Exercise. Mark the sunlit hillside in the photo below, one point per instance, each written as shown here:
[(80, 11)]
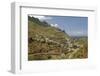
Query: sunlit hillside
[(47, 42)]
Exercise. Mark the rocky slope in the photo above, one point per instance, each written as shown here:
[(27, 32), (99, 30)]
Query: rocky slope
[(47, 42)]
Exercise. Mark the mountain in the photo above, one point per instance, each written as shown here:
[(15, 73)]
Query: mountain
[(47, 42), (36, 27)]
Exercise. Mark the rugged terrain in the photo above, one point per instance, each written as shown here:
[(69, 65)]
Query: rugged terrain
[(47, 42)]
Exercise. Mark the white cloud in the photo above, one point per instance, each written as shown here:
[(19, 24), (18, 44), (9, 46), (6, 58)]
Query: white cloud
[(77, 33), (54, 25), (41, 17)]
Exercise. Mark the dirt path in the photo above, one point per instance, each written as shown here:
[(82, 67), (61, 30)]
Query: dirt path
[(45, 54)]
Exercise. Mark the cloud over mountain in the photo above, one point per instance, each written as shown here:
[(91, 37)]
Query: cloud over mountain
[(41, 18), (54, 25)]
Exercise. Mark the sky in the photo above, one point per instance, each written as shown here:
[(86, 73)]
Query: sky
[(73, 26)]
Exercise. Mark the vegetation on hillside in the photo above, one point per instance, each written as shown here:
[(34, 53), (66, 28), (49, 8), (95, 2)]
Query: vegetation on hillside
[(47, 42)]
